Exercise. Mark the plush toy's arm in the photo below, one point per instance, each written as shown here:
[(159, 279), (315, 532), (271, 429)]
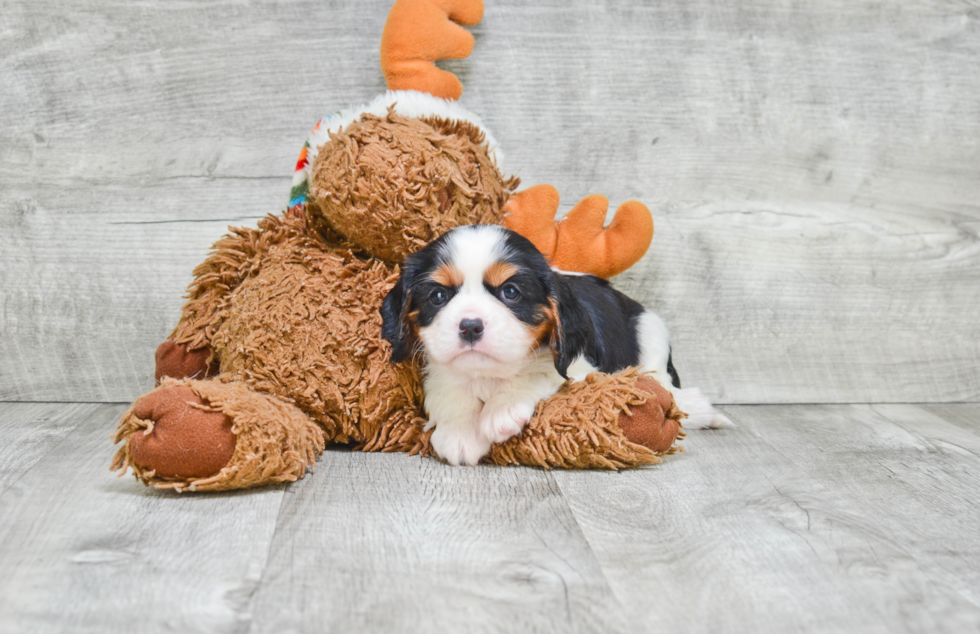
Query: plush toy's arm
[(607, 421), (233, 259), (578, 242), (214, 278), (417, 33)]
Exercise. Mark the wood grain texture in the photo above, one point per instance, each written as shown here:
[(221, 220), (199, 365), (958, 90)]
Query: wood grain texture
[(806, 518), (84, 551), (384, 543), (812, 170), (912, 488), (30, 430), (965, 415), (876, 522)]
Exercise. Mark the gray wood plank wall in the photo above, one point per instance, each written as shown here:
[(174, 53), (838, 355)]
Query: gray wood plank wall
[(813, 169)]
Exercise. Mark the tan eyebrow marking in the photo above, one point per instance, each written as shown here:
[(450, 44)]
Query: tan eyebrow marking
[(447, 275), (499, 272)]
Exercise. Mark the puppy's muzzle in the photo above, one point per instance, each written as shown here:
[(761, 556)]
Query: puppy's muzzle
[(470, 330)]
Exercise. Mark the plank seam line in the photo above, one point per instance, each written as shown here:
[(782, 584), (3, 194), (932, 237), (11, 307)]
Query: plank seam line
[(822, 403), (268, 554), (718, 404), (30, 468), (5, 402), (171, 222), (588, 543)]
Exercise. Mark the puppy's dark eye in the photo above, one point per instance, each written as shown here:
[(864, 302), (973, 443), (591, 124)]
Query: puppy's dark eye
[(438, 297), (510, 293)]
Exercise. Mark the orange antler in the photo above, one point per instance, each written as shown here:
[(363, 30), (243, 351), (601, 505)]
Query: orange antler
[(417, 33), (578, 242), (531, 213)]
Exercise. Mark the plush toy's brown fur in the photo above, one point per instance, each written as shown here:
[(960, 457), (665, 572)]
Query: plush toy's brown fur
[(279, 349), (301, 323), (395, 184)]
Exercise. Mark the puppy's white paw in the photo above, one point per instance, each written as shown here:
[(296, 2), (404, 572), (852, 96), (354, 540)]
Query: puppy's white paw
[(700, 413), (500, 424), (460, 445)]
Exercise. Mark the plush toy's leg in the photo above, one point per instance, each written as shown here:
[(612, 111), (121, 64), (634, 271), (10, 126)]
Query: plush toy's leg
[(608, 421), (233, 259), (178, 361), (402, 430), (213, 435)]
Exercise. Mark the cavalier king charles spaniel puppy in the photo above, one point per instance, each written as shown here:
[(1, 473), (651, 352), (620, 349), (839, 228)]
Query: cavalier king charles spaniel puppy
[(499, 330)]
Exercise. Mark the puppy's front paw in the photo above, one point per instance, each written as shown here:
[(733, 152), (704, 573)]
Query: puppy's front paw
[(500, 424), (459, 445)]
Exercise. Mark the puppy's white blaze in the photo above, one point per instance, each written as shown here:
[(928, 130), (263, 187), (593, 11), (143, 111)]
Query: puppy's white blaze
[(472, 250), (503, 349), (501, 352)]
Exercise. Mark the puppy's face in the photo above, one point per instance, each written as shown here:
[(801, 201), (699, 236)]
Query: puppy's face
[(479, 299)]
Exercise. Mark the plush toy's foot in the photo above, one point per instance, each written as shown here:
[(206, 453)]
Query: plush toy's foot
[(177, 361), (211, 436), (608, 421), (183, 438)]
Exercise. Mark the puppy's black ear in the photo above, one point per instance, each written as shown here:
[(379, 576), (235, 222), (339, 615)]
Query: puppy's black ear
[(572, 333), (396, 327)]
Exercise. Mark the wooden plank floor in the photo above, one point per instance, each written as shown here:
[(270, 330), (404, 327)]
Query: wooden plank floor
[(806, 518)]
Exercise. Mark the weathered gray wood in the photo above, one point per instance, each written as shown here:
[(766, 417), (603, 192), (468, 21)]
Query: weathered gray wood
[(385, 543), (965, 415), (813, 172), (84, 551), (878, 524), (90, 295), (899, 464), (803, 519), (906, 474), (30, 430)]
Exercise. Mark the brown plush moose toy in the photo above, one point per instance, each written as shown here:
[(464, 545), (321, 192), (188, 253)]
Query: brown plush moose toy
[(279, 350)]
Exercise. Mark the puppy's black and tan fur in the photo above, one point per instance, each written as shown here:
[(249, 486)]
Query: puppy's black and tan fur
[(500, 330)]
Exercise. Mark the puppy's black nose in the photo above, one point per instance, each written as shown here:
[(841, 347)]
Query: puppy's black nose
[(471, 330)]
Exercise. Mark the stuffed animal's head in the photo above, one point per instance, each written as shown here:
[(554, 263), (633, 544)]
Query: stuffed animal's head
[(390, 184), (393, 175)]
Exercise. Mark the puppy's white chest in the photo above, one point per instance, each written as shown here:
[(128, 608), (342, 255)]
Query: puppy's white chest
[(484, 387)]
